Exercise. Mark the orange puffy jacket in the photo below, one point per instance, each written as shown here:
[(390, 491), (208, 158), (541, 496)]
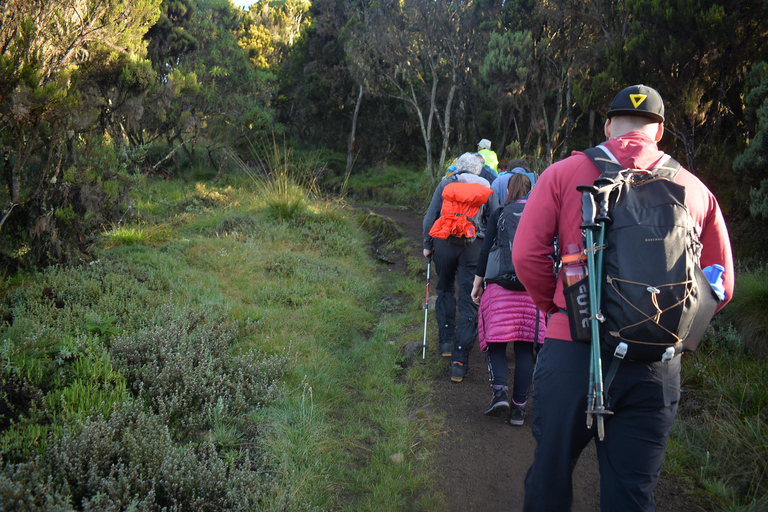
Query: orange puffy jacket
[(461, 203)]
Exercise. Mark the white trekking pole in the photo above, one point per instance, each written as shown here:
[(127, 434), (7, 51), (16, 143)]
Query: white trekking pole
[(426, 310)]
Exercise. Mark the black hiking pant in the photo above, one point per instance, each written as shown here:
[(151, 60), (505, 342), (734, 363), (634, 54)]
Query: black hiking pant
[(499, 367), (456, 264), (632, 453)]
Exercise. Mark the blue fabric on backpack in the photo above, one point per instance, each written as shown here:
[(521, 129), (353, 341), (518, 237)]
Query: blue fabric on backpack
[(500, 184)]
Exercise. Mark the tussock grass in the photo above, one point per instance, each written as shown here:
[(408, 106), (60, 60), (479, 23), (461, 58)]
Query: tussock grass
[(284, 181), (137, 235)]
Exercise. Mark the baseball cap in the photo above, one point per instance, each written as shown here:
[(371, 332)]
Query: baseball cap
[(484, 144), (638, 100)]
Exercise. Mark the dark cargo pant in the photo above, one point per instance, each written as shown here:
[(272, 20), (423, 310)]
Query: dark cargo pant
[(456, 264), (632, 453)]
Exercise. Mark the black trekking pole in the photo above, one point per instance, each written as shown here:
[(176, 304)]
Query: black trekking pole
[(595, 399), (604, 187), (426, 310)]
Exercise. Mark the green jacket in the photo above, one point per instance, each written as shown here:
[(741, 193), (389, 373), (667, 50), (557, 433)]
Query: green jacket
[(491, 160)]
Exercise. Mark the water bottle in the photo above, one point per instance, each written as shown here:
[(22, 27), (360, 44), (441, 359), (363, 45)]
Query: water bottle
[(714, 275), (574, 265)]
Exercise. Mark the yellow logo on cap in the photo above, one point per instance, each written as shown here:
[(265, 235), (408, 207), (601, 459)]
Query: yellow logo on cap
[(637, 99)]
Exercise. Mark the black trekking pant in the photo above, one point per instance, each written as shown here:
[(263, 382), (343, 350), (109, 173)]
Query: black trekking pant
[(456, 264), (499, 367), (632, 453)]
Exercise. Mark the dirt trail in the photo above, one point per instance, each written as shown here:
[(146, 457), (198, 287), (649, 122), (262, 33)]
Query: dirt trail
[(483, 461)]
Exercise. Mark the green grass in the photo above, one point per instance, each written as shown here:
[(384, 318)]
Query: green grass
[(391, 185), (243, 333), (747, 310), (719, 441)]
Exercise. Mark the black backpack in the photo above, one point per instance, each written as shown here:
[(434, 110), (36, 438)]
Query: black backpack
[(500, 269), (654, 293)]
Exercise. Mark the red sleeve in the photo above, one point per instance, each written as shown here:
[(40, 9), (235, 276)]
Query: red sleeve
[(717, 249), (716, 244)]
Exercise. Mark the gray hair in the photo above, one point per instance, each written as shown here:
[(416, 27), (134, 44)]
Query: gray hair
[(469, 162)]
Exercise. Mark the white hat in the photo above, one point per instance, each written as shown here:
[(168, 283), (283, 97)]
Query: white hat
[(484, 144)]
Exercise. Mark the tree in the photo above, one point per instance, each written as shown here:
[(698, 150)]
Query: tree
[(209, 90), (270, 29), (58, 60), (696, 62), (531, 73), (415, 52), (752, 165)]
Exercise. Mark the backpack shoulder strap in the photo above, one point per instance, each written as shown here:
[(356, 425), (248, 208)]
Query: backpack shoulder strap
[(667, 167), (604, 160), (609, 166)]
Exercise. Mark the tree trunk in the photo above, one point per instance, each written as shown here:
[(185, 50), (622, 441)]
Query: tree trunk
[(222, 164), (18, 167), (547, 135), (426, 129), (351, 144), (569, 117), (447, 121)]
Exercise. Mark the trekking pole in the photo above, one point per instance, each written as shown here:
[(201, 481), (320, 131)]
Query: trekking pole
[(426, 310), (604, 187), (602, 197), (595, 400)]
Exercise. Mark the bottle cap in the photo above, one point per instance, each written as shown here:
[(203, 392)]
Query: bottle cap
[(574, 254)]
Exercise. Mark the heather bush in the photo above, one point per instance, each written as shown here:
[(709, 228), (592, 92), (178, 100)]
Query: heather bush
[(186, 368), (64, 300), (46, 384), (236, 226), (129, 461), (28, 487)]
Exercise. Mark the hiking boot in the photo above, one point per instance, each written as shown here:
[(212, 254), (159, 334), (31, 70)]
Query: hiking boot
[(517, 415), (458, 371), (445, 348), (499, 403)]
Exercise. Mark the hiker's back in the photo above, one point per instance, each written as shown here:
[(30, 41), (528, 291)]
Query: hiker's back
[(461, 216), (500, 269), (654, 292)]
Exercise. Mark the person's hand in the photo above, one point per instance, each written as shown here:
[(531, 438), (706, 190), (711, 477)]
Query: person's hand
[(477, 289), (428, 253)]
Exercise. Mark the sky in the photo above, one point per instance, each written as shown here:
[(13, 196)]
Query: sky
[(243, 3)]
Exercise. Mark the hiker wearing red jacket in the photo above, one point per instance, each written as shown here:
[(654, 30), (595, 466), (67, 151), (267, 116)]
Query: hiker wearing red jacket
[(632, 452)]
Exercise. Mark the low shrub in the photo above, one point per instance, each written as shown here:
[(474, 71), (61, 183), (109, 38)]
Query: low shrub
[(236, 226), (129, 461), (184, 367), (62, 300)]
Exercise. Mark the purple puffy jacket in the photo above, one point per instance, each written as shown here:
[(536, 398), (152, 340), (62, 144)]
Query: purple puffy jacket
[(507, 315)]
